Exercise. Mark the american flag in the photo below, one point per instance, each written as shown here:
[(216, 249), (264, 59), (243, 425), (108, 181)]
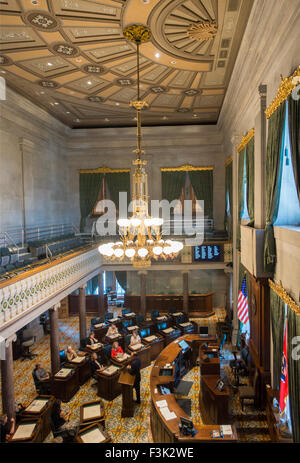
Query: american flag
[(242, 308)]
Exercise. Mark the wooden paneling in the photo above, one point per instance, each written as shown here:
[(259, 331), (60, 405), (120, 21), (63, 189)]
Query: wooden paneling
[(92, 304)]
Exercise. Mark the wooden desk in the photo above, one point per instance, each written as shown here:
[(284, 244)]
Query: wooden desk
[(209, 367), (127, 381), (91, 348), (120, 340), (65, 388), (22, 436), (188, 328), (46, 402), (156, 345), (84, 369), (108, 386), (93, 434), (100, 331), (214, 404), (144, 354), (121, 362), (91, 413), (168, 431), (169, 337)]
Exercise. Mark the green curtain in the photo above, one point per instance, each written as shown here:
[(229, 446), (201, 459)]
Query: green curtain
[(122, 279), (293, 330), (91, 285), (294, 129), (273, 183), (228, 191), (240, 196), (202, 183), (172, 184), (116, 182), (277, 312), (89, 185), (250, 180)]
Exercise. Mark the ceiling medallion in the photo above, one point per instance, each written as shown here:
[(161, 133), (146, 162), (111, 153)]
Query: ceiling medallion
[(5, 60), (183, 110), (95, 99), (66, 49), (191, 92), (203, 30), (93, 69), (41, 20), (124, 82), (158, 89), (48, 84)]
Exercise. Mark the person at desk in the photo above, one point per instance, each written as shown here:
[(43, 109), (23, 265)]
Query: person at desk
[(135, 338), (61, 420), (95, 364), (40, 373), (112, 330), (91, 339), (116, 350), (7, 428), (135, 369), (71, 354)]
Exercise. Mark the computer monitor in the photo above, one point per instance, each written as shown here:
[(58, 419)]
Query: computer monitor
[(203, 330), (164, 390), (186, 423), (145, 332), (187, 427), (162, 326), (62, 356), (125, 311), (126, 323), (184, 345)]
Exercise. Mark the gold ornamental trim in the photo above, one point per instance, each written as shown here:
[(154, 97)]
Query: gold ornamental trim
[(281, 292), (228, 161), (245, 139), (185, 168), (285, 89), (203, 30), (102, 170), (137, 33)]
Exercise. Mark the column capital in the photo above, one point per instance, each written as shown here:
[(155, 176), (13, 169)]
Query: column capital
[(24, 143), (10, 339), (262, 90), (82, 286), (235, 140), (142, 272), (184, 271), (55, 307)]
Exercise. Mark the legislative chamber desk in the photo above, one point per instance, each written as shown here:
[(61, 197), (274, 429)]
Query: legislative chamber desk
[(65, 383), (214, 404), (108, 385), (167, 431), (143, 352), (28, 431), (202, 304), (82, 364), (40, 408), (156, 342)]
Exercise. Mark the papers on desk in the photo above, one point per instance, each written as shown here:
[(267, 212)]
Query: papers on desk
[(136, 346), (122, 357), (110, 370), (168, 330), (91, 411), (177, 314), (24, 431), (37, 405), (78, 359), (184, 325), (95, 346), (100, 325), (161, 403), (132, 328), (164, 409), (163, 317), (150, 338), (63, 373), (129, 314), (226, 430), (113, 336), (113, 320), (94, 436)]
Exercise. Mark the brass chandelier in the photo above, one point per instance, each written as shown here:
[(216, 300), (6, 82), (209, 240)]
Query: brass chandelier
[(141, 235)]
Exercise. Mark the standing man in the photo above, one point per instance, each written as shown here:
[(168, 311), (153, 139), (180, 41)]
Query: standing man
[(135, 369)]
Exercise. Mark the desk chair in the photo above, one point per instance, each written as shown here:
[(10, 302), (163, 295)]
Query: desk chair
[(248, 392), (96, 321), (42, 387), (107, 351), (127, 340), (140, 319), (66, 436), (154, 314), (108, 316), (25, 345)]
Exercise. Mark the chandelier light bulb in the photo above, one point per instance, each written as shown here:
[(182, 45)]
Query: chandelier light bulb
[(148, 222), (157, 250), (118, 252), (142, 252), (135, 222), (123, 222), (157, 221), (130, 252)]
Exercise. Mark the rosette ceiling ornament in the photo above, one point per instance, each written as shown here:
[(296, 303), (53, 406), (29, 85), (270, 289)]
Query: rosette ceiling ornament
[(140, 235)]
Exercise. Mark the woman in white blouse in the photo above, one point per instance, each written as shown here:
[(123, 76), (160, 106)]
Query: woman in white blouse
[(135, 338), (112, 330)]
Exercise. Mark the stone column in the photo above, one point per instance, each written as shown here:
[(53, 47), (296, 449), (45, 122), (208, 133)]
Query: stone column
[(185, 291), (82, 313), (7, 380), (100, 295), (235, 255), (260, 160), (54, 339), (143, 292), (26, 149)]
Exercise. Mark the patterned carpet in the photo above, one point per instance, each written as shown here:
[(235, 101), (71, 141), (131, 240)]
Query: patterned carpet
[(251, 424)]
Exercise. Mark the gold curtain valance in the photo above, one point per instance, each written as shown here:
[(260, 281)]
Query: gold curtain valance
[(102, 170), (281, 292), (228, 161), (185, 168), (245, 139), (285, 89)]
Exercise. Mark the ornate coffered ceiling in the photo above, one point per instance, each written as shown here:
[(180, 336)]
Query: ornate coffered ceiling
[(70, 57)]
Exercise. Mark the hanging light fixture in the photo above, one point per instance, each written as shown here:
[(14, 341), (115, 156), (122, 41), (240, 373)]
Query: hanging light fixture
[(140, 235)]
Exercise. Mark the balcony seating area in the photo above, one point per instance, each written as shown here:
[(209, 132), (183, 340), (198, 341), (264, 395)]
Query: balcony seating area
[(56, 245)]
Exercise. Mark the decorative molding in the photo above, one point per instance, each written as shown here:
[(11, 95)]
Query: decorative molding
[(10, 339), (281, 292), (228, 161), (24, 143), (285, 89), (185, 168), (245, 139), (102, 170), (203, 30)]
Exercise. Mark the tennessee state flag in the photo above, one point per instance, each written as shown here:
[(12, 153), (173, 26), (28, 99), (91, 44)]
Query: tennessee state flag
[(284, 389)]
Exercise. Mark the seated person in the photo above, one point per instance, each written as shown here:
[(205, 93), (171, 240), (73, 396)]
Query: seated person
[(95, 364), (91, 339), (61, 420), (7, 428), (71, 353), (135, 338), (112, 330), (40, 373), (116, 350)]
